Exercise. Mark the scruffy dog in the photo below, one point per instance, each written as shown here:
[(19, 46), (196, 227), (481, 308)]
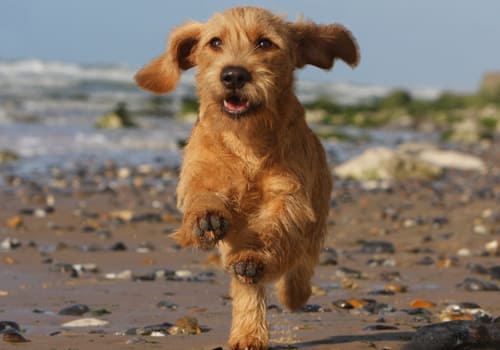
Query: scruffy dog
[(254, 180)]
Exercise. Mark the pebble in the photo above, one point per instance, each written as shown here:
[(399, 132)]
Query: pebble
[(9, 244), (480, 229), (185, 326), (494, 272), (311, 308), (475, 285), (464, 311), (456, 335), (380, 327), (145, 248), (328, 256), (492, 247), (447, 262), (149, 330), (74, 310), (377, 247), (14, 222), (396, 287), (86, 322), (122, 275), (13, 336), (165, 304), (5, 325), (422, 304), (376, 262), (118, 247), (477, 268), (348, 273)]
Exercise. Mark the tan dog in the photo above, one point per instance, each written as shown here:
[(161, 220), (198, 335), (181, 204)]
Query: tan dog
[(254, 180)]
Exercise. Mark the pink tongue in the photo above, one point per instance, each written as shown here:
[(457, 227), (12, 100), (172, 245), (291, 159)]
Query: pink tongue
[(236, 106)]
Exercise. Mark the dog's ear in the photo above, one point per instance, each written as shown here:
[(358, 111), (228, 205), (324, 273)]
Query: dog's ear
[(320, 45), (162, 73)]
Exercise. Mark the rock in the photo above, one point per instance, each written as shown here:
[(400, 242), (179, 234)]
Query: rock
[(119, 118), (422, 304), (74, 310), (396, 287), (464, 311), (13, 336), (328, 257), (475, 285), (492, 247), (85, 322), (380, 327), (346, 272), (452, 160), (494, 272), (455, 335), (9, 244), (165, 304), (14, 222), (377, 247), (150, 330), (122, 275), (5, 325), (380, 163), (118, 247), (311, 308), (8, 156), (185, 326), (466, 131)]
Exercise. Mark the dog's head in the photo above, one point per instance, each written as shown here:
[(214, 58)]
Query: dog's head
[(246, 57)]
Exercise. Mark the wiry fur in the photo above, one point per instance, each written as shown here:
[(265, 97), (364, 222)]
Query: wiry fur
[(263, 173)]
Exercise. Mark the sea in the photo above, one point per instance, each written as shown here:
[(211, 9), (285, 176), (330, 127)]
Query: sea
[(48, 112)]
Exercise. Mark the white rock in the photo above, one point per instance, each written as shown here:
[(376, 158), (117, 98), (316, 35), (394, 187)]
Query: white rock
[(368, 165), (464, 252), (123, 275), (183, 273), (453, 160), (492, 247), (86, 322)]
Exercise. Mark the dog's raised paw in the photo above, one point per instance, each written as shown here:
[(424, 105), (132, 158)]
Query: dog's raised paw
[(209, 229), (248, 270)]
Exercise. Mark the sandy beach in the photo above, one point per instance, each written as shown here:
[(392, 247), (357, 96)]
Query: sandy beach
[(395, 260)]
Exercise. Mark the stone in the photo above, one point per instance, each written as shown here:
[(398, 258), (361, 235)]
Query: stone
[(453, 160), (85, 322)]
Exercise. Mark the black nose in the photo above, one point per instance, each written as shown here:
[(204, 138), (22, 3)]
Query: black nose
[(234, 77)]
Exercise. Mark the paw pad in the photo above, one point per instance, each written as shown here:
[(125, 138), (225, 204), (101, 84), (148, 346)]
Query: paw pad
[(210, 228), (248, 270)]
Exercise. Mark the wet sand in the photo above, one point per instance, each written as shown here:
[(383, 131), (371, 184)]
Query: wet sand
[(438, 232)]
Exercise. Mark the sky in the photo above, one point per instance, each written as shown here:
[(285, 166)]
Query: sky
[(447, 44)]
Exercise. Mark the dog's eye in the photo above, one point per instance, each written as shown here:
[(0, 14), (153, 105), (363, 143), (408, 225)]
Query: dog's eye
[(216, 43), (265, 43)]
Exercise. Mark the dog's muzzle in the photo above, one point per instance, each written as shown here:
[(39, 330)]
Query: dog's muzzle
[(234, 78)]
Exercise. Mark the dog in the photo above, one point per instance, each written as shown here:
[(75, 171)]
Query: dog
[(254, 181)]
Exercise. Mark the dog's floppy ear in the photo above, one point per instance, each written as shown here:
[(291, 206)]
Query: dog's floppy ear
[(320, 45), (162, 73)]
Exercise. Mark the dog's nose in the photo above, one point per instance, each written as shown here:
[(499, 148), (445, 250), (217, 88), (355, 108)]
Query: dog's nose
[(234, 77)]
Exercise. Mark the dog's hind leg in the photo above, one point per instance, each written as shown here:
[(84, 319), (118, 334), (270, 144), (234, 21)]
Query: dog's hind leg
[(294, 287), (249, 329)]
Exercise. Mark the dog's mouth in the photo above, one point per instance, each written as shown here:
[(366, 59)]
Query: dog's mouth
[(236, 105)]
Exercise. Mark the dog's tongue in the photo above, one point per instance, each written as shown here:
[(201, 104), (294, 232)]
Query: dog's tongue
[(236, 105)]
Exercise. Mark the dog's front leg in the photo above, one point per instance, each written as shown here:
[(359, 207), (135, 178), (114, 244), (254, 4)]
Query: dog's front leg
[(276, 239), (249, 329)]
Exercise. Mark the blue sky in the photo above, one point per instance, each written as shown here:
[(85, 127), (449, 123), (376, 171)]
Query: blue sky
[(426, 43)]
